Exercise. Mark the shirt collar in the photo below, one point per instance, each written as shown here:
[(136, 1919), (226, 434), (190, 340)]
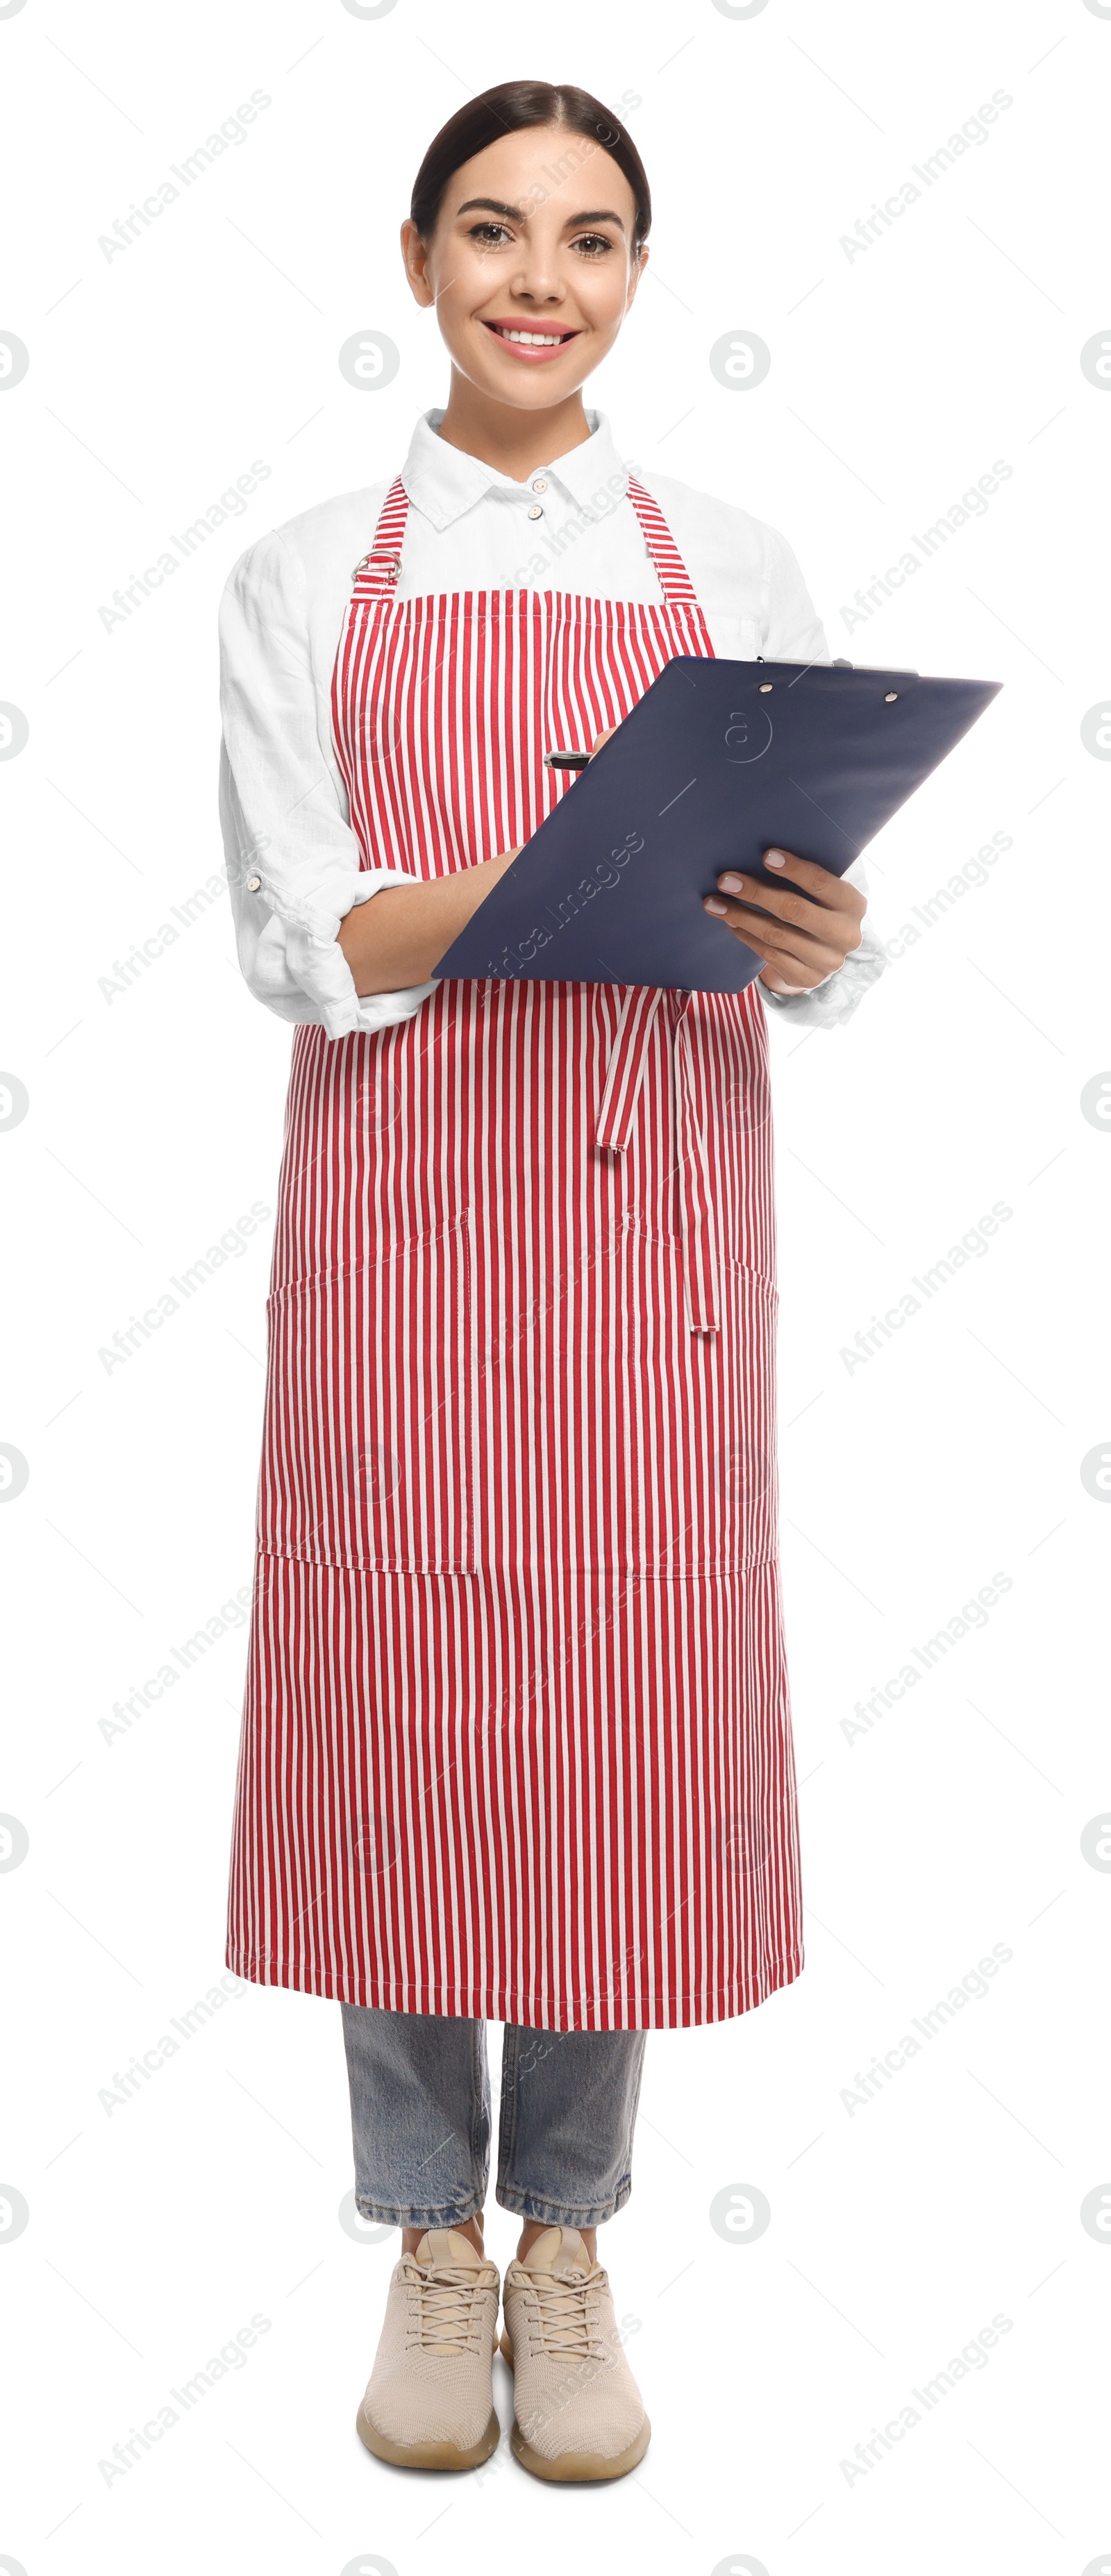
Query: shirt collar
[(443, 482)]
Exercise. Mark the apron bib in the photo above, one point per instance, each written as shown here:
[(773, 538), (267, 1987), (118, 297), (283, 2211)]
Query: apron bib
[(516, 1738)]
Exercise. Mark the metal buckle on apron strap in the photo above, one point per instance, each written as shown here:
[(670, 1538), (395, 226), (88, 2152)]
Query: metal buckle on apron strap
[(613, 1128), (384, 554)]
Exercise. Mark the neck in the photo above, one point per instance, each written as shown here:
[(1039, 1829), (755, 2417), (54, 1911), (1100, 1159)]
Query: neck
[(513, 442)]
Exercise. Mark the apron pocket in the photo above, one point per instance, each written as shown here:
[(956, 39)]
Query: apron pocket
[(745, 1462), (616, 1440), (700, 1476), (368, 1447)]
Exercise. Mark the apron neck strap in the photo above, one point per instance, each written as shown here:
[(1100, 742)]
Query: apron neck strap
[(675, 581), (375, 575)]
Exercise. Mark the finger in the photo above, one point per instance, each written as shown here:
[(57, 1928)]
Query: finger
[(816, 934), (820, 883), (840, 921), (790, 899), (780, 945)]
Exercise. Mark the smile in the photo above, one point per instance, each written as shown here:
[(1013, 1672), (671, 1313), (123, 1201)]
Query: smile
[(530, 343)]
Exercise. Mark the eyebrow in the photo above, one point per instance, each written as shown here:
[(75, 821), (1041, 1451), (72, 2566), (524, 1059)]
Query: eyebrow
[(516, 215)]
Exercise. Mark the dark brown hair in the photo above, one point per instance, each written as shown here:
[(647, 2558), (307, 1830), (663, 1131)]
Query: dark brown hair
[(505, 110)]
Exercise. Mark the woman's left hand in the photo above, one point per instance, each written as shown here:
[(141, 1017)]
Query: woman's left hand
[(802, 937)]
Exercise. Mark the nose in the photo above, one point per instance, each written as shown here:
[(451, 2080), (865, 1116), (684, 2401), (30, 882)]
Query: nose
[(536, 278)]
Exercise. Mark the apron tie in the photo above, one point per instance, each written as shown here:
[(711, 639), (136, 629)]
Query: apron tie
[(625, 1071), (614, 1127)]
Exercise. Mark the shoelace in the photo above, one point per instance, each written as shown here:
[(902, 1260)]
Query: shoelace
[(565, 2312), (445, 2305)]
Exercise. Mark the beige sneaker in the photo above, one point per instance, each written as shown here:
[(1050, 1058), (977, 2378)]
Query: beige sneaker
[(429, 2401), (577, 2408)]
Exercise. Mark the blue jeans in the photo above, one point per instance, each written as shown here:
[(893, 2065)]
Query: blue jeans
[(420, 2118)]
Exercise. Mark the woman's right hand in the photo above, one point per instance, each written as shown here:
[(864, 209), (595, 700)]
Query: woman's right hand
[(394, 939)]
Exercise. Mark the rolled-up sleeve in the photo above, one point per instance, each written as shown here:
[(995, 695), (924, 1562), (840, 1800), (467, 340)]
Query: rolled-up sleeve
[(294, 865)]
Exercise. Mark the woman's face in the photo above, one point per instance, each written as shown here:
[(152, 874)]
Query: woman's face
[(534, 237)]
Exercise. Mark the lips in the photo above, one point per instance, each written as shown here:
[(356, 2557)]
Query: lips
[(539, 341)]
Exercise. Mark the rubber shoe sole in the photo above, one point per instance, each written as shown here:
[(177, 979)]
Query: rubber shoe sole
[(427, 2455), (572, 2468)]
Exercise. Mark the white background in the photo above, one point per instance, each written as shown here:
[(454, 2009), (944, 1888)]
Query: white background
[(898, 377)]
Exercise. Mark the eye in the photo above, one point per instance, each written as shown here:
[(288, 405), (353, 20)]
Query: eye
[(592, 243), (488, 232)]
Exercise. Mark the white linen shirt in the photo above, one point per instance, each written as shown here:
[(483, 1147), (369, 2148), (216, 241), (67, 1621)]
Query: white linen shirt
[(293, 862)]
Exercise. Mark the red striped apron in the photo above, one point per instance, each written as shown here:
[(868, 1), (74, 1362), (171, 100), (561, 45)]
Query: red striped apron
[(516, 1739)]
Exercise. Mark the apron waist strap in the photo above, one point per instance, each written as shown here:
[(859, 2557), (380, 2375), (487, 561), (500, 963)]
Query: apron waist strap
[(625, 1070), (614, 1127)]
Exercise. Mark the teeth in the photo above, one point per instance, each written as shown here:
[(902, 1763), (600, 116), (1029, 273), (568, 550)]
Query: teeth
[(533, 339)]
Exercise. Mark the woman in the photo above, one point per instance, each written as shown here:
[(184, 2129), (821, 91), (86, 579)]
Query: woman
[(516, 1737)]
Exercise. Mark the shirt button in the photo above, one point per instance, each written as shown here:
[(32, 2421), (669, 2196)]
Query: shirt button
[(539, 484), (253, 884), (536, 512)]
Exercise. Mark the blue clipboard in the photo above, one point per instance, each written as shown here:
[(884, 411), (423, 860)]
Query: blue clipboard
[(717, 762)]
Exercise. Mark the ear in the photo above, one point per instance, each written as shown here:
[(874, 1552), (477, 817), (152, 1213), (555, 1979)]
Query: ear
[(415, 257), (636, 273)]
